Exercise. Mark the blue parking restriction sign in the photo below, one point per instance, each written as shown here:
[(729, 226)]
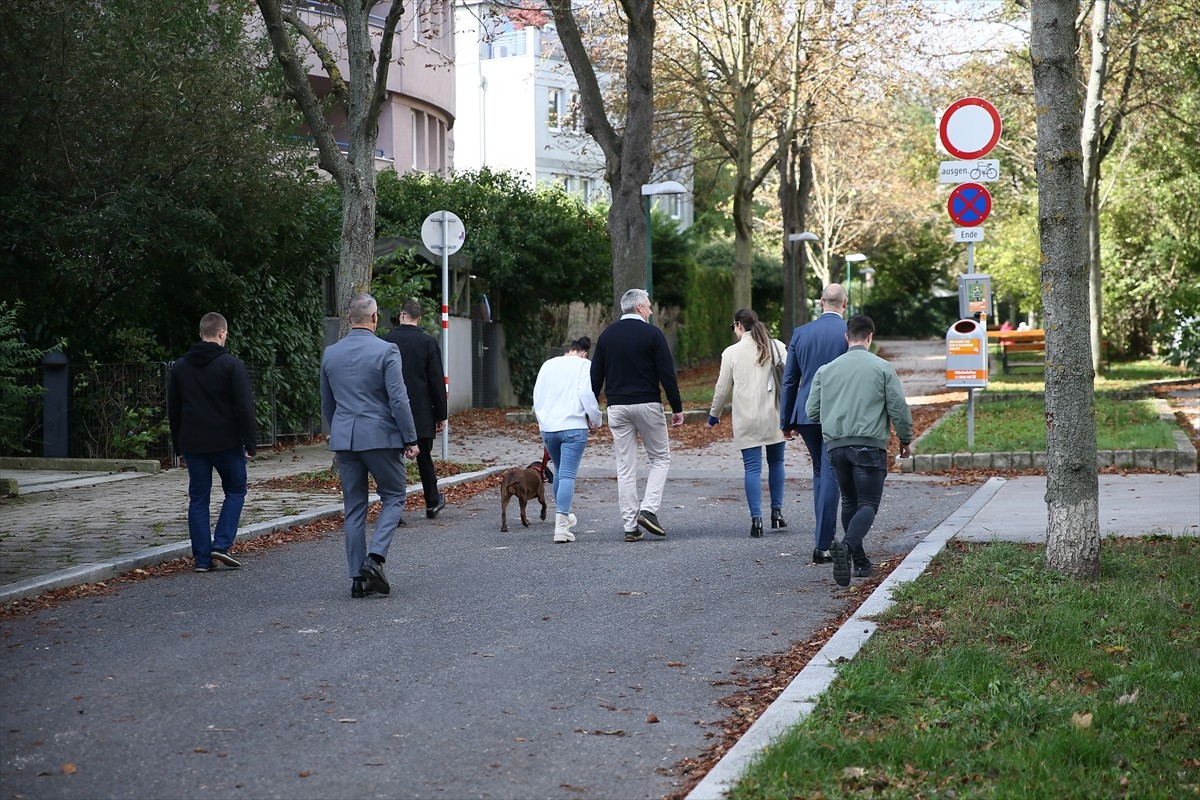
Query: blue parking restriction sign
[(969, 204)]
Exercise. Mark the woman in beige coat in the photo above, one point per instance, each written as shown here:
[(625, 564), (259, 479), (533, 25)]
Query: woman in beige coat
[(747, 371)]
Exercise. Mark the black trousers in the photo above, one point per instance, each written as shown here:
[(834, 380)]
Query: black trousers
[(428, 475), (860, 472)]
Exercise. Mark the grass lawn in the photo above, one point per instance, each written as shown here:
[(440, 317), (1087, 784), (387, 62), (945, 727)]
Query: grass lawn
[(1120, 377), (1019, 425), (991, 677), (696, 384)]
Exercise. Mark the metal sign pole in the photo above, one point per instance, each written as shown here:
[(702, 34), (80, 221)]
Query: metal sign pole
[(443, 231), (970, 392), (446, 326)]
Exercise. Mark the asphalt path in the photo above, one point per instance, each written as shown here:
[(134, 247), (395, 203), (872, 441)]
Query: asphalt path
[(501, 666)]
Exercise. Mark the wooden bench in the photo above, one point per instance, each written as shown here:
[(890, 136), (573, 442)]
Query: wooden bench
[(1020, 342)]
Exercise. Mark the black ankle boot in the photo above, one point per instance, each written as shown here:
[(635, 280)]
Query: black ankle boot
[(777, 518), (756, 529)]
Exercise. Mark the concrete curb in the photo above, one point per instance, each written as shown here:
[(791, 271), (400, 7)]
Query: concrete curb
[(1180, 458), (103, 570), (801, 695), (81, 464)]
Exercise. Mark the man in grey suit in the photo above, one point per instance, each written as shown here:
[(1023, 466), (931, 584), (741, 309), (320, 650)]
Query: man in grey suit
[(813, 346), (365, 405)]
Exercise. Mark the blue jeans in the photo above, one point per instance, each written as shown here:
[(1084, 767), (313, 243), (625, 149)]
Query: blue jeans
[(860, 472), (752, 462), (231, 466), (825, 486), (566, 451)]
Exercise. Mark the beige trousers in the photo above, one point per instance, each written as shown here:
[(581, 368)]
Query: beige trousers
[(627, 424)]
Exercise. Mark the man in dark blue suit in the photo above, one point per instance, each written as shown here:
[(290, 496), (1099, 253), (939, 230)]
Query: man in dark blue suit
[(365, 405), (813, 346)]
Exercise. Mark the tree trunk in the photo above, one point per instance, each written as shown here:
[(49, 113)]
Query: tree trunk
[(743, 244), (1091, 142), (794, 186), (627, 155), (627, 237), (1072, 490), (358, 239), (362, 98), (802, 198)]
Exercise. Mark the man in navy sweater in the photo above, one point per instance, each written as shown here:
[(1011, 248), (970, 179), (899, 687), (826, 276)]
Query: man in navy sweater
[(630, 361), (210, 407)]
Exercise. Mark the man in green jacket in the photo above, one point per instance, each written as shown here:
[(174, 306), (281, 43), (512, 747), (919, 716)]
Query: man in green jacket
[(854, 397)]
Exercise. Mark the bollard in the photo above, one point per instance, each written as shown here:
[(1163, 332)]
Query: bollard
[(56, 379)]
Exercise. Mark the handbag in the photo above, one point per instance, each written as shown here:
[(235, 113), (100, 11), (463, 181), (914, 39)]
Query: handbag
[(775, 379)]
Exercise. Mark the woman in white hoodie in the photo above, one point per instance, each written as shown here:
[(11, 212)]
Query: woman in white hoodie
[(566, 410), (748, 369)]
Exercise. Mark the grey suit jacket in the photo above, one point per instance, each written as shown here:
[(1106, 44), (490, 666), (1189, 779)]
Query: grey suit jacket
[(363, 399)]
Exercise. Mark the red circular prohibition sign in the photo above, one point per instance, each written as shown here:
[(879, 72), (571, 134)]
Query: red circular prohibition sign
[(970, 128), (969, 204)]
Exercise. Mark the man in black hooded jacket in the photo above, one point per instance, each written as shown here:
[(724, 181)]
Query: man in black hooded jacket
[(210, 406)]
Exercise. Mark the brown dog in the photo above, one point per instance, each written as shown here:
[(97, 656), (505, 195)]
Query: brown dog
[(523, 484)]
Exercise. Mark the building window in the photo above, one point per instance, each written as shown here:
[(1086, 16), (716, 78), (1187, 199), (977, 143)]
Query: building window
[(418, 140), (554, 110), (585, 188), (575, 113)]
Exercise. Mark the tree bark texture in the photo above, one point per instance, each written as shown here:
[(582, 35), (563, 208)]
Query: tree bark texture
[(627, 154), (1091, 139), (1072, 489)]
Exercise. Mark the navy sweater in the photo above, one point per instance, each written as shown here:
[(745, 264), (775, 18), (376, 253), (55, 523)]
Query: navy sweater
[(630, 361)]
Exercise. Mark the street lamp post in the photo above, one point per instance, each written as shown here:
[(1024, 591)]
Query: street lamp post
[(789, 282), (649, 192), (868, 276), (852, 258)]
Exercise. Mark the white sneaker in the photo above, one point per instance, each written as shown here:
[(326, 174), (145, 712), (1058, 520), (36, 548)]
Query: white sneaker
[(571, 521), (562, 529)]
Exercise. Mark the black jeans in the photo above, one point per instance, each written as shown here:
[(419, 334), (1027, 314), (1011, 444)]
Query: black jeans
[(428, 475), (860, 472)]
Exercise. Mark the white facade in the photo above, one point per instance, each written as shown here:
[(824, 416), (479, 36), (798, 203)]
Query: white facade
[(517, 102)]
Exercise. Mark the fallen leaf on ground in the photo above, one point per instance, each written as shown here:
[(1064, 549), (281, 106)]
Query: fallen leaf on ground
[(1126, 699)]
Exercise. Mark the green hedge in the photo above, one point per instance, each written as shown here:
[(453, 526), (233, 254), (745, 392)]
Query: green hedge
[(704, 325)]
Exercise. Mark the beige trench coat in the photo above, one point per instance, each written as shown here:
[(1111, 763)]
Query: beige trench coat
[(755, 412)]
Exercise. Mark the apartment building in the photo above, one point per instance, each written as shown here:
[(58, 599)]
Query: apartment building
[(417, 117), (518, 107)]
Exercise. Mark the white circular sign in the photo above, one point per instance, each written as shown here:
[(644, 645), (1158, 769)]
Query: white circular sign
[(970, 128), (432, 232)]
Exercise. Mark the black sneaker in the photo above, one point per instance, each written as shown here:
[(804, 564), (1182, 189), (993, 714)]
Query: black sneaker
[(863, 568), (633, 536), (209, 568), (841, 563), (372, 574), (226, 559), (822, 557), (649, 521)]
